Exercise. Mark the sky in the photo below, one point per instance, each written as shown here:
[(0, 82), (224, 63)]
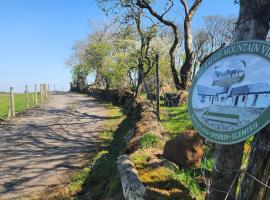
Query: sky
[(37, 37)]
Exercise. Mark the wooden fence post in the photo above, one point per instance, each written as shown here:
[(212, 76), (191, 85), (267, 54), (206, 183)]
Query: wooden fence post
[(36, 95), (47, 91), (44, 91), (26, 97), (12, 104), (41, 93), (157, 87)]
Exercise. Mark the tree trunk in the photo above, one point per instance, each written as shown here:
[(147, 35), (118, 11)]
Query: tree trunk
[(258, 167), (252, 24), (107, 84), (146, 5), (140, 80), (224, 177), (185, 72), (175, 76), (174, 72), (98, 78), (157, 86)]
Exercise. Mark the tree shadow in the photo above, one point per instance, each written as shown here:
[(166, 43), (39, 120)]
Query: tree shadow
[(37, 150), (103, 180)]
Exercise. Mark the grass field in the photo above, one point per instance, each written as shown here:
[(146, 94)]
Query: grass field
[(19, 103)]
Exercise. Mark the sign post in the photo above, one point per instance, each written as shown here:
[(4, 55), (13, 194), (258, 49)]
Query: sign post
[(230, 95)]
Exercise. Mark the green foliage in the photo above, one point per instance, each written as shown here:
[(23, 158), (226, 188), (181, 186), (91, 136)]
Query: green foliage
[(78, 180), (148, 140), (207, 162), (175, 119), (110, 55), (188, 178)]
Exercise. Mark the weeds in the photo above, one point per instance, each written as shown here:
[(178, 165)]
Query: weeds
[(149, 140)]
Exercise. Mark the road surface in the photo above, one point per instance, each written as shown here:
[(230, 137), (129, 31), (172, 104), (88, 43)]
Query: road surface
[(40, 150)]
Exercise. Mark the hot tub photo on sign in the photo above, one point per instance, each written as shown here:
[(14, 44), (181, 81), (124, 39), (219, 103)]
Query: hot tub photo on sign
[(231, 93)]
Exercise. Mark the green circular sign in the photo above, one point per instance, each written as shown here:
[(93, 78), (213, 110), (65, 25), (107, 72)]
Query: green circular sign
[(229, 99)]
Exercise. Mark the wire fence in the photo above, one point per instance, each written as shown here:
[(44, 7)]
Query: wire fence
[(12, 103), (239, 173)]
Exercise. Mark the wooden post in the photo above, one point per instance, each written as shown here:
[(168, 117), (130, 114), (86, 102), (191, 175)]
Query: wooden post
[(157, 87), (36, 95), (26, 97), (46, 89), (45, 92), (12, 103), (33, 99), (41, 93)]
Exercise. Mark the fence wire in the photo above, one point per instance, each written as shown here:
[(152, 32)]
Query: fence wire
[(241, 173)]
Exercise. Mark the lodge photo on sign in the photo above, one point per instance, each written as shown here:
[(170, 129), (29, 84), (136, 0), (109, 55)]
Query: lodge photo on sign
[(232, 93)]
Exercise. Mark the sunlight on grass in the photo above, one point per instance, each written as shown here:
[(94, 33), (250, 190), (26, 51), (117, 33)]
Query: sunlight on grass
[(188, 179), (19, 99), (148, 140), (157, 175), (175, 119)]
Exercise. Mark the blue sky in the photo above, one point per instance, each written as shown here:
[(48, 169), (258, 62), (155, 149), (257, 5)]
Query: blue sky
[(37, 35)]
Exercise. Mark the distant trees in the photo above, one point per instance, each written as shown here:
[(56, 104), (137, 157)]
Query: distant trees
[(217, 31)]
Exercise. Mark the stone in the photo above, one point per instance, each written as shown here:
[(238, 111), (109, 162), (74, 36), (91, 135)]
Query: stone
[(185, 150), (171, 99), (133, 189), (129, 134), (169, 164)]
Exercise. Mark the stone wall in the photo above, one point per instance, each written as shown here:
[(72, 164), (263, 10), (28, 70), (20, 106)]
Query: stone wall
[(145, 120), (142, 113)]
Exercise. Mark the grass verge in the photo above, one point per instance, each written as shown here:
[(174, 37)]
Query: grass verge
[(163, 181), (175, 119), (99, 179)]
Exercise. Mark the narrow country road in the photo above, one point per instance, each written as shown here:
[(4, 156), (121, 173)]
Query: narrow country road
[(39, 150)]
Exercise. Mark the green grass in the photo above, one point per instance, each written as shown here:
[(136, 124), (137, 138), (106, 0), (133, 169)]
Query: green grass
[(188, 178), (19, 100), (148, 140), (175, 119), (104, 176), (100, 180)]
